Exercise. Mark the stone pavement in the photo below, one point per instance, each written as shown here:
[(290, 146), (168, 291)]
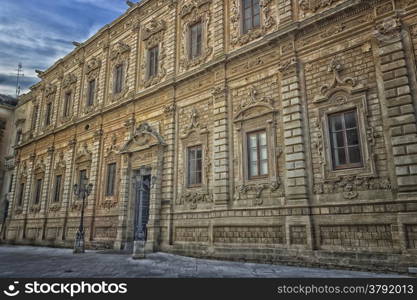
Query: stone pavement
[(38, 262)]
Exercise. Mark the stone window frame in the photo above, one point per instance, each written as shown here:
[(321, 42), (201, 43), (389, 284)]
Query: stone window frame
[(191, 14), (59, 170), (153, 36), (248, 167), (187, 170), (338, 102), (347, 165), (48, 113), (38, 174), (195, 138), (67, 105), (267, 21), (92, 72), (111, 155), (119, 55), (69, 85), (35, 116), (149, 69), (244, 125), (252, 16), (20, 193)]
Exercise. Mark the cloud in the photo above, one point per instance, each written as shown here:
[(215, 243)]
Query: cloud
[(39, 32)]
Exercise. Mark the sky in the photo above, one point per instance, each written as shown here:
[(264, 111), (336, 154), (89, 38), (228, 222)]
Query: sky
[(37, 33)]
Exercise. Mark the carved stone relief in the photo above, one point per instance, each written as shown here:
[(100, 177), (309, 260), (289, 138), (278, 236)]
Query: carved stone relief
[(119, 55), (153, 36), (267, 23), (191, 13)]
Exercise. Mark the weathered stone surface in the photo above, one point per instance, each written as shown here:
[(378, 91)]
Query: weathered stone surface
[(286, 81)]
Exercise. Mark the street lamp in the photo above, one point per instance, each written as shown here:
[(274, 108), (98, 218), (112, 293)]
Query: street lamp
[(82, 191)]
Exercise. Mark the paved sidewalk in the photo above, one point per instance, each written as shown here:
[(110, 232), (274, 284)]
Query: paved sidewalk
[(25, 261)]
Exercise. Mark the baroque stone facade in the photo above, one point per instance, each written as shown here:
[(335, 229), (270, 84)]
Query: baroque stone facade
[(281, 82)]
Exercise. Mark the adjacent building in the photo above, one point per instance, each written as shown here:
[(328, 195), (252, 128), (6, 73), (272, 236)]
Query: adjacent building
[(268, 130)]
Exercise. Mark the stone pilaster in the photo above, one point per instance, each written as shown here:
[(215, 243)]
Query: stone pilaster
[(69, 156), (218, 24), (47, 182), (398, 102), (169, 164), (220, 146), (285, 12), (295, 158), (27, 193)]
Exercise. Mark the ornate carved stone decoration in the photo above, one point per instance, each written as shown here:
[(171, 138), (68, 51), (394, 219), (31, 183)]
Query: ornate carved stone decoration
[(83, 154), (119, 55), (194, 125), (251, 101), (191, 13), (350, 186), (144, 136), (388, 31), (313, 6), (50, 89), (288, 68), (40, 167), (69, 80), (113, 149), (170, 109), (192, 199), (242, 191), (60, 164), (154, 27), (92, 65), (267, 22), (347, 85), (118, 50)]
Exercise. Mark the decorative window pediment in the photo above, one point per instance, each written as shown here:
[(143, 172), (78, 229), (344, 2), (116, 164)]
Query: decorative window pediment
[(69, 80), (50, 89), (83, 154), (60, 164), (40, 168), (144, 137), (339, 87), (253, 106), (92, 65), (194, 126)]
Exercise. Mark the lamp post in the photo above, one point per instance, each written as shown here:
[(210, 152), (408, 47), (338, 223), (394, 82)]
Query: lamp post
[(82, 191)]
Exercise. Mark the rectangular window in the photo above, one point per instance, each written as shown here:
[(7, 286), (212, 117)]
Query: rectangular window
[(257, 154), (18, 136), (48, 114), (67, 104), (195, 156), (153, 54), (38, 190), (21, 193), (91, 92), (11, 183), (35, 116), (58, 184), (82, 178), (251, 15), (118, 79), (196, 35), (111, 178), (344, 140)]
